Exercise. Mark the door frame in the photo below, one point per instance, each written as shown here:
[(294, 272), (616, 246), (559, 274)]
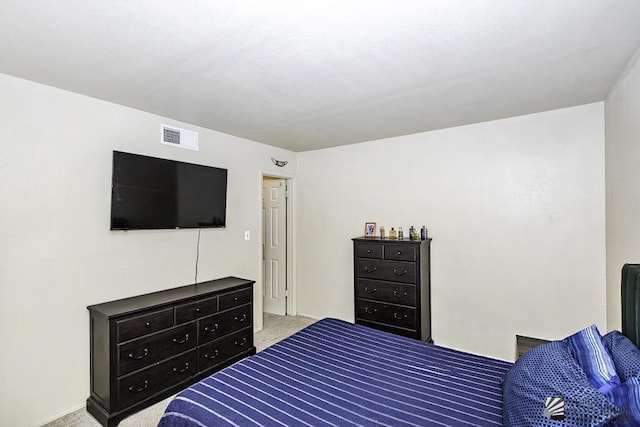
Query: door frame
[(290, 242)]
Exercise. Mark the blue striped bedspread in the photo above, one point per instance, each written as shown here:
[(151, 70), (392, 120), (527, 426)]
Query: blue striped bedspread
[(336, 373)]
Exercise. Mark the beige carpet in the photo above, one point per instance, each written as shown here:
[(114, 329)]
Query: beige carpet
[(275, 329)]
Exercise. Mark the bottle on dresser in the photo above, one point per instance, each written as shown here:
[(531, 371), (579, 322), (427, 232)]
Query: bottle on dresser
[(413, 233), (423, 233), (392, 233)]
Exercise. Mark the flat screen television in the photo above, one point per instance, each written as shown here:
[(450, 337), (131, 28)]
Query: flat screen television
[(152, 193)]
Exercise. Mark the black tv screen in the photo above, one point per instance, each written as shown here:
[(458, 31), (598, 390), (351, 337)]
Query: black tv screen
[(152, 193)]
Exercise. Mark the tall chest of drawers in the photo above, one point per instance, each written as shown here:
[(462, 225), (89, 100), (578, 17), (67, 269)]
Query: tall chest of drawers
[(148, 347), (392, 285)]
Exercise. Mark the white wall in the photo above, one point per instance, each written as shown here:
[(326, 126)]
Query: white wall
[(57, 253), (516, 210), (622, 118)]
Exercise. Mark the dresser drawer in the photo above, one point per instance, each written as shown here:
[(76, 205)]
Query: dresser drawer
[(192, 310), (144, 351), (233, 299), (395, 271), (411, 333), (218, 351), (396, 293), (368, 250), (147, 323), (390, 314), (144, 384), (400, 252), (221, 324)]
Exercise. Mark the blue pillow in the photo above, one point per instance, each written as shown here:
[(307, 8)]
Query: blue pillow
[(547, 387), (625, 355), (627, 398), (594, 359)]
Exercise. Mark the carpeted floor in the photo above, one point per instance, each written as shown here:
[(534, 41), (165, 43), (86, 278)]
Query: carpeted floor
[(275, 329)]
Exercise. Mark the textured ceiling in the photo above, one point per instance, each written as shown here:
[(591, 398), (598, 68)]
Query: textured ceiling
[(310, 74)]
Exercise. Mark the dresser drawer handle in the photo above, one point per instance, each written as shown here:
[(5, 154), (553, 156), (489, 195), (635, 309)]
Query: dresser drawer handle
[(399, 316), (143, 388), (399, 252), (197, 310), (182, 341), (236, 298), (212, 329), (399, 294), (240, 319), (370, 311), (209, 356), (368, 269), (240, 343), (144, 354), (185, 369), (368, 251), (399, 273), (147, 324), (370, 291)]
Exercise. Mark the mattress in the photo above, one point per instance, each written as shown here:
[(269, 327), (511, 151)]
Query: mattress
[(337, 373)]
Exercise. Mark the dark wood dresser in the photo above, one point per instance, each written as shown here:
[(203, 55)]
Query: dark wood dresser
[(148, 347), (392, 285)]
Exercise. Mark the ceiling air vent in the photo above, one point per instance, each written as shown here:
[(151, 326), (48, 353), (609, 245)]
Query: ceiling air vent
[(183, 138)]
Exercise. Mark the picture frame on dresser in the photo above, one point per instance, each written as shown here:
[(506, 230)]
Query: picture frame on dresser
[(369, 229)]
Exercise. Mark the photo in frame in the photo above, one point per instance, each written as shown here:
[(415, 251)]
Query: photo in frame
[(369, 229)]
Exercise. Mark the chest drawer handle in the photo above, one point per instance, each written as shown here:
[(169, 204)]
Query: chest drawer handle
[(147, 324), (370, 291), (368, 251), (399, 316), (399, 252), (186, 338), (240, 343), (144, 354), (138, 390), (197, 310), (212, 356), (399, 273), (370, 311), (212, 329), (236, 298), (185, 369), (240, 319), (399, 294), (368, 269)]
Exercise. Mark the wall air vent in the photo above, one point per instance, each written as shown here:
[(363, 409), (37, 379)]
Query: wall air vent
[(183, 138)]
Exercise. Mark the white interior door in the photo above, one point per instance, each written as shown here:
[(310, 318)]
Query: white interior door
[(274, 240)]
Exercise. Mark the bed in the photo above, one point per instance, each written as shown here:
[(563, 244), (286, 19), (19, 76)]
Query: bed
[(337, 373)]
